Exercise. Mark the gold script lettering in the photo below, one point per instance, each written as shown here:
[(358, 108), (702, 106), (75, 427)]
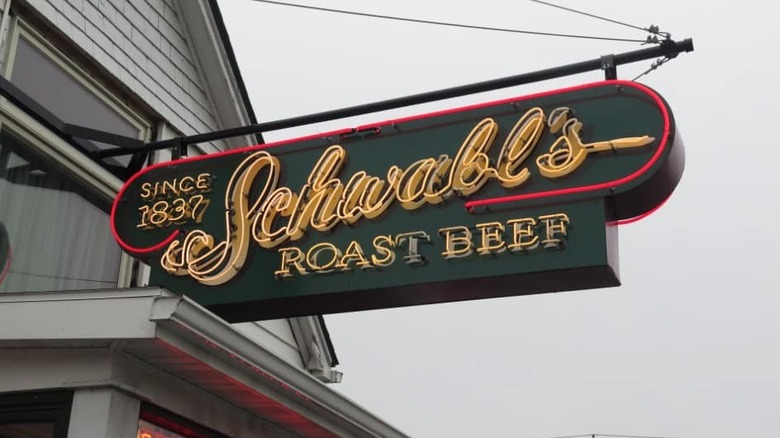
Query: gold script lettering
[(569, 152), (279, 214), (213, 263)]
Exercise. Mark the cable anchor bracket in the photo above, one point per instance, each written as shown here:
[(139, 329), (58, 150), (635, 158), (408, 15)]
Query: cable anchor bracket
[(609, 67)]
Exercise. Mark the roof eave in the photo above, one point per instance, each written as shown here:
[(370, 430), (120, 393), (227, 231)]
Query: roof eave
[(214, 53), (150, 316)]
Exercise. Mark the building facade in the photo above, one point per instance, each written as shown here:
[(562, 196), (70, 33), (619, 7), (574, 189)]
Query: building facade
[(87, 347)]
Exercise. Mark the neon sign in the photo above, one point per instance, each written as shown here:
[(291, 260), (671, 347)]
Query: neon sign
[(509, 188)]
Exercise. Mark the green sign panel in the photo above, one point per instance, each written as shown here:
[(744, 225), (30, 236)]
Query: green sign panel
[(508, 198)]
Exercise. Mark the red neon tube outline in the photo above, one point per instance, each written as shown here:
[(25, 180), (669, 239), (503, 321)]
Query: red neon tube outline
[(132, 249), (469, 205), (593, 187)]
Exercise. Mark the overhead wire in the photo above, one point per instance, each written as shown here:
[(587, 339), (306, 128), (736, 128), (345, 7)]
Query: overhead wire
[(59, 277), (447, 24), (591, 15), (596, 435), (574, 436), (653, 29), (634, 436)]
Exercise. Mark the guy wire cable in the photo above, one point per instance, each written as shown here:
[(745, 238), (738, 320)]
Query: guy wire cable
[(448, 24)]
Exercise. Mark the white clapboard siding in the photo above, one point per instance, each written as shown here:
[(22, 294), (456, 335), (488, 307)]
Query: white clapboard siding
[(143, 43)]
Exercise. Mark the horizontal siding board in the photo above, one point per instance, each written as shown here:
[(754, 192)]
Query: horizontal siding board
[(143, 44)]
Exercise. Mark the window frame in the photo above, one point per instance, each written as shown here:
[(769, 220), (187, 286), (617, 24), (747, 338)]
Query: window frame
[(175, 423), (40, 406), (41, 143), (50, 146), (22, 29)]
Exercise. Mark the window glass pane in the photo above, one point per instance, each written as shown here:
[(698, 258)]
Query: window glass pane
[(155, 422), (149, 430), (27, 430), (67, 98), (51, 236)]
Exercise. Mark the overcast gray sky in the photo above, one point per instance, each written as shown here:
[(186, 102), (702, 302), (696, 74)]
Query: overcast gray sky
[(688, 345)]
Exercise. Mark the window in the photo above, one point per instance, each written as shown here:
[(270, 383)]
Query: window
[(52, 235), (67, 91), (156, 422), (54, 227), (27, 430), (149, 430), (35, 415)]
